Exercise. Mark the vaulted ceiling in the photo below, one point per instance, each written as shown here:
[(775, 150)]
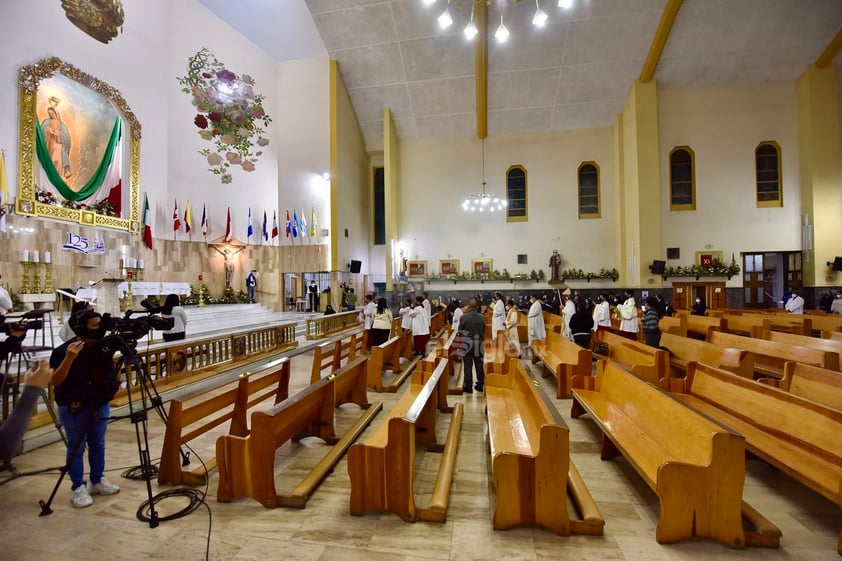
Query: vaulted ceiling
[(575, 72)]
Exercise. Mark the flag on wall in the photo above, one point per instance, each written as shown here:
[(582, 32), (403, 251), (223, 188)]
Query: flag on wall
[(204, 220), (228, 226), (289, 226), (302, 223), (312, 222), (188, 220), (265, 228), (294, 224), (4, 191), (147, 222), (274, 224), (250, 229), (176, 222)]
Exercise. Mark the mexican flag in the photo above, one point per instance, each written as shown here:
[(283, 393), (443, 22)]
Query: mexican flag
[(147, 223)]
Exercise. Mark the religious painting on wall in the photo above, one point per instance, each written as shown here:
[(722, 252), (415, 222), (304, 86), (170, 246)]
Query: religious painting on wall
[(417, 269), (481, 266), (709, 258), (449, 267), (79, 148)]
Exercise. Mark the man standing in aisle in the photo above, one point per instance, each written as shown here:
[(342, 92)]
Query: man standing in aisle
[(795, 305), (628, 316), (313, 289), (472, 332), (498, 315), (428, 309), (535, 321), (251, 284)]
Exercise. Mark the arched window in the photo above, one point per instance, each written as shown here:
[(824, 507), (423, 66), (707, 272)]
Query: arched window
[(589, 190), (767, 160), (682, 178), (516, 194)]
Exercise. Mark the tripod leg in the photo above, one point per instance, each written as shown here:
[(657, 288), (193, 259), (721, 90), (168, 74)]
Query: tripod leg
[(53, 416)]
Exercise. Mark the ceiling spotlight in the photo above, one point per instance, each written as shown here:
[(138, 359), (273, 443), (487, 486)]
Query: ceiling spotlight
[(540, 16), (566, 4), (444, 19), (471, 29), (502, 32)]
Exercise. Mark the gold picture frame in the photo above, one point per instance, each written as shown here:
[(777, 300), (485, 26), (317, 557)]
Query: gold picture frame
[(416, 269), (29, 78), (708, 258), (448, 267), (480, 267)]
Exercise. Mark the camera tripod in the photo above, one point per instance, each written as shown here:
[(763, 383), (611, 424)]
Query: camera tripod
[(148, 398)]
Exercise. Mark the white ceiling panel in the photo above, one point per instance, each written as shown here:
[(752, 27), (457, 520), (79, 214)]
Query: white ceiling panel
[(461, 124), (443, 97), (598, 80), (437, 57), (371, 66), (520, 120), (356, 27), (610, 38), (519, 90), (587, 115), (370, 102)]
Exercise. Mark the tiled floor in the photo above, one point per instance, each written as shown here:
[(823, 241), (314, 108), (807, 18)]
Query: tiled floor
[(324, 530)]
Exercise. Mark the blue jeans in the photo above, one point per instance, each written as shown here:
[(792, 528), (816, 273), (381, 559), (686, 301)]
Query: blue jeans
[(87, 427)]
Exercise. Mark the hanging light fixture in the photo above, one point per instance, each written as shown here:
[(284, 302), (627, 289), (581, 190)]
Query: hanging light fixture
[(502, 32), (484, 201), (445, 19), (566, 4), (540, 16), (471, 30)]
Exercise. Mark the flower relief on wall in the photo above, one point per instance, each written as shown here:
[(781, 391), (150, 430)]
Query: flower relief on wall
[(79, 152), (230, 114)]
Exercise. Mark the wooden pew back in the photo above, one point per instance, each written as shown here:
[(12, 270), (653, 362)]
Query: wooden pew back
[(647, 362), (684, 350), (564, 359), (387, 356), (771, 356), (675, 325), (746, 324), (827, 322), (806, 341), (813, 383), (836, 336), (786, 323), (325, 360), (698, 327)]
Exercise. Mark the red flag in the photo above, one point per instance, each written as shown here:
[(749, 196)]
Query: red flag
[(176, 222), (228, 226), (289, 225), (147, 223), (274, 224)]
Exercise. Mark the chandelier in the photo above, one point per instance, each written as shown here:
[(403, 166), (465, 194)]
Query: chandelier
[(485, 201), (540, 18)]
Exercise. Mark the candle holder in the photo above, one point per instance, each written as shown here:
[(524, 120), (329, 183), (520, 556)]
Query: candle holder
[(24, 285), (201, 303), (48, 278), (36, 279)]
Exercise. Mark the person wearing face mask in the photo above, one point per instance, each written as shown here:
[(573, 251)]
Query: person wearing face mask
[(511, 326), (85, 380), (602, 314), (699, 308)]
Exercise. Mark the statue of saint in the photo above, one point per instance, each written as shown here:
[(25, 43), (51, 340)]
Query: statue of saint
[(555, 263)]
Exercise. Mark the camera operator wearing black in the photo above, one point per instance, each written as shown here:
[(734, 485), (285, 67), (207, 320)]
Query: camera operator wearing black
[(12, 342), (85, 381)]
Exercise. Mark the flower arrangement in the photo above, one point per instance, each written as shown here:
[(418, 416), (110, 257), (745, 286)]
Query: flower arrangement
[(611, 274), (717, 269), (100, 207), (230, 114)]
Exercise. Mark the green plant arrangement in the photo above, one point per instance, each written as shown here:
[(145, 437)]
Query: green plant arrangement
[(717, 269), (579, 274), (100, 207), (230, 114)]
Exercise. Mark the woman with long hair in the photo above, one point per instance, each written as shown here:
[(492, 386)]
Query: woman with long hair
[(172, 309), (381, 323)]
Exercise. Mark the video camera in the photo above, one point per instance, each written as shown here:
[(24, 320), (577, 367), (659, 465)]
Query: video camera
[(23, 324), (125, 331)]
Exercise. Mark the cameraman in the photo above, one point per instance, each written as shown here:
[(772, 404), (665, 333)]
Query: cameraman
[(85, 381), (12, 342), (13, 428)]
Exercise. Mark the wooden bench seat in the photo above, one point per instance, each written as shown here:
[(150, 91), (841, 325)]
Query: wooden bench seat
[(207, 410), (835, 335), (769, 356), (826, 322), (698, 327), (497, 353), (746, 324), (246, 463), (563, 359), (675, 325), (387, 357), (647, 362), (381, 469), (684, 350), (443, 348), (798, 436), (530, 460), (807, 341), (695, 465), (810, 382)]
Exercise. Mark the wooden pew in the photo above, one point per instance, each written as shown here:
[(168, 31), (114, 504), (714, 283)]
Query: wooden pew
[(325, 357), (247, 463), (497, 353), (676, 325), (353, 348), (647, 362), (807, 341), (832, 335), (387, 356), (211, 410), (746, 324), (382, 468), (826, 322), (695, 465), (798, 436), (699, 327), (530, 460), (564, 359), (770, 356), (442, 348), (786, 323), (684, 350), (553, 322), (810, 382)]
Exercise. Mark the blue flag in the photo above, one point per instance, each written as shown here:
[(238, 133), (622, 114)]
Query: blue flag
[(294, 224), (250, 228)]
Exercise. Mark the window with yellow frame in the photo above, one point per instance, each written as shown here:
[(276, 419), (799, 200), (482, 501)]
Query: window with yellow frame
[(767, 161), (682, 178), (589, 204), (516, 194)]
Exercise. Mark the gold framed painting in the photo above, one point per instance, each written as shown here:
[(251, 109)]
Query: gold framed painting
[(79, 148), (709, 258), (448, 267), (417, 269), (482, 266)]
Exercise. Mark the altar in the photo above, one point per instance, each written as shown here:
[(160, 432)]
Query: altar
[(154, 288), (105, 302)]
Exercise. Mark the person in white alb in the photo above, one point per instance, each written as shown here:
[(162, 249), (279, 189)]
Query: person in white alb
[(368, 315), (420, 327), (406, 319), (628, 317), (535, 321), (512, 319), (567, 312), (498, 315), (457, 315), (602, 313), (428, 309), (795, 305)]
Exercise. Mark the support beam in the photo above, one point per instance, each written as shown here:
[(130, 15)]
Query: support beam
[(830, 52), (660, 40), (481, 58)]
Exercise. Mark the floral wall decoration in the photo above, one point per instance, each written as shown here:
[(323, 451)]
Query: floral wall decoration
[(229, 114)]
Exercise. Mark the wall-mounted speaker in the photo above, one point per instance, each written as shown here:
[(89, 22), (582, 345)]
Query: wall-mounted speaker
[(658, 267), (355, 266), (673, 253), (837, 264)]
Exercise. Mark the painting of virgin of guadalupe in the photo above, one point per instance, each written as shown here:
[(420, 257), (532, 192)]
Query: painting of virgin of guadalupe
[(57, 137)]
